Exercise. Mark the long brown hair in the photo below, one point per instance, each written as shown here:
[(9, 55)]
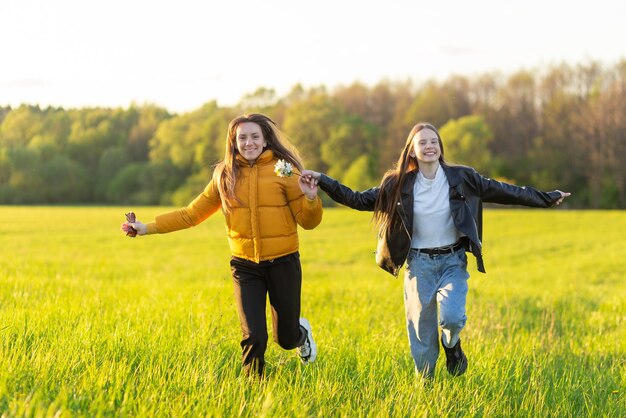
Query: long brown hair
[(385, 213), (227, 170)]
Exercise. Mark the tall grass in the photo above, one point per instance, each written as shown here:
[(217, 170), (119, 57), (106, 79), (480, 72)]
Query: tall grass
[(96, 324)]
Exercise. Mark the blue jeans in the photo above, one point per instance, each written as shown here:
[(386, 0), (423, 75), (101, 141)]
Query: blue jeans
[(433, 281)]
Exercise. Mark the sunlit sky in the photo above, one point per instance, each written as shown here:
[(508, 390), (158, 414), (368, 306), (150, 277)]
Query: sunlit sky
[(181, 54)]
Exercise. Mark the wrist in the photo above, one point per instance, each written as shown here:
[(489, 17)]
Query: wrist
[(151, 228)]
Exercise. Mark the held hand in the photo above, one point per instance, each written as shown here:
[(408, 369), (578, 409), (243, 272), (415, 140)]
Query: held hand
[(308, 187), (563, 196), (311, 176)]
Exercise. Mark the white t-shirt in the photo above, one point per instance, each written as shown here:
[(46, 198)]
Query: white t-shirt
[(432, 220)]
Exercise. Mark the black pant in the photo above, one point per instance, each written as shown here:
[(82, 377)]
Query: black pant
[(282, 280)]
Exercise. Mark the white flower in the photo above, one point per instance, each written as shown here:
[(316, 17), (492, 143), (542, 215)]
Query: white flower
[(283, 169)]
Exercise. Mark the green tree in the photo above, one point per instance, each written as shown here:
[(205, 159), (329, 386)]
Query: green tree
[(359, 175), (398, 127), (193, 140), (377, 108), (437, 103), (466, 141), (147, 122), (308, 124), (554, 159), (5, 166), (349, 139), (20, 125), (92, 132), (516, 124), (192, 187), (63, 181), (25, 184), (144, 184), (111, 162)]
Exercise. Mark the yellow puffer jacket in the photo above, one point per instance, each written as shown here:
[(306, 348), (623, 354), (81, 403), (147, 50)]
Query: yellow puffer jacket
[(263, 225)]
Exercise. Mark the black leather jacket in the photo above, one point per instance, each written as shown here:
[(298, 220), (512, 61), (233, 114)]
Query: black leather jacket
[(468, 191)]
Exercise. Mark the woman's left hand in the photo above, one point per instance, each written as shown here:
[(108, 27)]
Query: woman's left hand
[(563, 196)]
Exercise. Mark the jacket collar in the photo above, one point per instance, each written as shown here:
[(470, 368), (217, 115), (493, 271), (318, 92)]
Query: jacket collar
[(454, 179), (265, 157)]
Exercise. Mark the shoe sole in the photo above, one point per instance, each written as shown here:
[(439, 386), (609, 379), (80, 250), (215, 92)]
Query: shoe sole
[(305, 323)]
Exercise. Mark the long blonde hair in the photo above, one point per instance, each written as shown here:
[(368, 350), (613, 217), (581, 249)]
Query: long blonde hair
[(227, 170), (385, 213)]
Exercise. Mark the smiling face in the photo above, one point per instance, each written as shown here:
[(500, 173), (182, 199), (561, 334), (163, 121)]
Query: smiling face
[(426, 146), (250, 141)]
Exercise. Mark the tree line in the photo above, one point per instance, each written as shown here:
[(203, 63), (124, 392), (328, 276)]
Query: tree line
[(564, 126)]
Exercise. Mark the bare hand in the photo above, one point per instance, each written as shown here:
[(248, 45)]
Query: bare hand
[(311, 176), (141, 228), (132, 227), (308, 187), (563, 196)]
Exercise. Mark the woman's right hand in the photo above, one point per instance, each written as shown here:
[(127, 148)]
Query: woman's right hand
[(311, 176), (141, 228), (138, 228)]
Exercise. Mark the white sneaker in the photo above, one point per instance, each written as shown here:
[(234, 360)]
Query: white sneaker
[(308, 350)]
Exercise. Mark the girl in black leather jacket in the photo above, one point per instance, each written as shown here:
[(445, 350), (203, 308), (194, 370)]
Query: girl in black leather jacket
[(429, 214)]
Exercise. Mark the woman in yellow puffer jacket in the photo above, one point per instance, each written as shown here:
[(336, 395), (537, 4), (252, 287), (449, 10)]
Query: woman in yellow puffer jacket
[(262, 210)]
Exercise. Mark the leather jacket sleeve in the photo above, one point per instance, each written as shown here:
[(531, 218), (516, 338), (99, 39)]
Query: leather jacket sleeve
[(392, 247), (364, 200), (494, 191)]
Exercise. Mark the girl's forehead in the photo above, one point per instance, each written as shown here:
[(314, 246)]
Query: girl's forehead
[(425, 133)]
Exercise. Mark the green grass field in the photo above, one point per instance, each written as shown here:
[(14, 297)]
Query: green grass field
[(93, 323)]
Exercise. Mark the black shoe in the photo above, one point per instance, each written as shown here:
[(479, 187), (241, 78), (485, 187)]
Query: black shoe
[(456, 362)]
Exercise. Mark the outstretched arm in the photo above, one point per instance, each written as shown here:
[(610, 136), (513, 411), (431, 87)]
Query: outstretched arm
[(494, 191), (340, 193), (203, 206)]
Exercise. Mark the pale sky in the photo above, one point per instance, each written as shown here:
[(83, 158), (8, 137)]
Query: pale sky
[(181, 54)]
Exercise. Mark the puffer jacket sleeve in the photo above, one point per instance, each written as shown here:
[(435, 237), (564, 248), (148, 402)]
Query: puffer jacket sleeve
[(306, 212), (494, 191), (340, 193), (203, 206)]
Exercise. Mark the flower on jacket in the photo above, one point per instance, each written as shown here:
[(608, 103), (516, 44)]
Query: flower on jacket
[(283, 169)]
